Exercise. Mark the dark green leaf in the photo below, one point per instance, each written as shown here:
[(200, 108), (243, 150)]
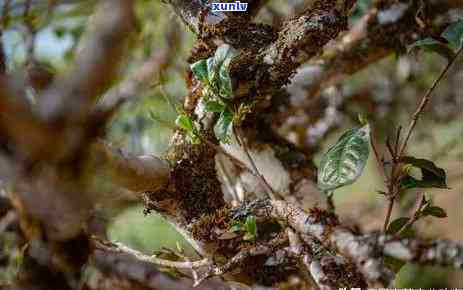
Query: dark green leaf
[(215, 106), (396, 225), (344, 162), (433, 45), (199, 69), (223, 129), (434, 211), (432, 176), (454, 33)]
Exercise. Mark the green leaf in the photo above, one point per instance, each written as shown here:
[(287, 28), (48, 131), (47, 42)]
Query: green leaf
[(184, 122), (212, 71), (433, 45), (215, 106), (225, 83), (251, 228), (432, 176), (454, 33), (396, 225), (223, 129), (434, 211), (344, 162), (218, 70), (199, 69)]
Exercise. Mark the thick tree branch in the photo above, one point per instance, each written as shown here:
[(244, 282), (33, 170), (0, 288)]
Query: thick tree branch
[(301, 37), (362, 253), (438, 253), (136, 173), (374, 37), (366, 251)]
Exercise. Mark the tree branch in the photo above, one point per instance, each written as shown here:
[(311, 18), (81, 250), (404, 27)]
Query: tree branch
[(136, 173), (373, 38), (126, 265), (425, 100)]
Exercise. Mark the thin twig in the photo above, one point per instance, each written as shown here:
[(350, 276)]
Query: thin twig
[(425, 100), (389, 147), (397, 139), (271, 193), (416, 215), (388, 213), (396, 174), (121, 248), (379, 159)]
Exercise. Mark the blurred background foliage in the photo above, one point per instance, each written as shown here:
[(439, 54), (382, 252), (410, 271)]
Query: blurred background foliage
[(47, 34)]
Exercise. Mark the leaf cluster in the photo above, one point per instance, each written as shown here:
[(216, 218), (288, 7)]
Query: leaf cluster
[(214, 74)]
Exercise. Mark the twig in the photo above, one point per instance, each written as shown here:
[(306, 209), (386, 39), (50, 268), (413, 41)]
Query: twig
[(416, 215), (388, 213), (389, 147), (298, 250), (121, 248), (271, 193), (396, 176), (425, 100), (182, 255), (397, 139), (379, 159)]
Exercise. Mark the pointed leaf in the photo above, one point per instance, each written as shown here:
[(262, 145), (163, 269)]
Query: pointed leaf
[(223, 129), (454, 33), (225, 83), (215, 106), (199, 69), (433, 45), (434, 211), (212, 71), (184, 122), (251, 227), (344, 162), (396, 225), (432, 176), (218, 70)]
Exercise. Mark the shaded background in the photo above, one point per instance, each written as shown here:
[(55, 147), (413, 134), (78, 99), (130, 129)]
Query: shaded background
[(44, 37)]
